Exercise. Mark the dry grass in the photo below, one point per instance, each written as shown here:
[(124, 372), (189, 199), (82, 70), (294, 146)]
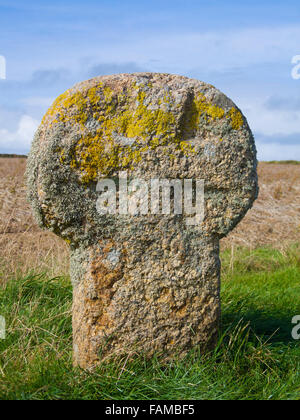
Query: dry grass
[(23, 245), (275, 217), (274, 220)]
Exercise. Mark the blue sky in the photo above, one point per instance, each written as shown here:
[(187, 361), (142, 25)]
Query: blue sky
[(244, 48)]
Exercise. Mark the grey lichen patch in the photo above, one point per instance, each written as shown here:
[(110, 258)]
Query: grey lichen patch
[(78, 264), (149, 282), (113, 257)]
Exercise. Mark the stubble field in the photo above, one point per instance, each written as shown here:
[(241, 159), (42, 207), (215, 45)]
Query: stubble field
[(274, 220)]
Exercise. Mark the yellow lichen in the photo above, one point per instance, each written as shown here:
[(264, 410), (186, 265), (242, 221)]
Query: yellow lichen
[(62, 158), (199, 107), (236, 118), (73, 107), (203, 106), (99, 153)]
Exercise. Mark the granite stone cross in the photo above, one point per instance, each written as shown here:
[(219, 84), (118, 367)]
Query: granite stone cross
[(145, 272)]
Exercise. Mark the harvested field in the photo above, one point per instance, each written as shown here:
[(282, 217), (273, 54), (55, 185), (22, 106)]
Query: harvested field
[(24, 246), (275, 217), (274, 220)]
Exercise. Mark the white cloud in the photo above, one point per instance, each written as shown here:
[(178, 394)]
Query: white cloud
[(216, 51), (273, 122), (270, 121), (247, 58), (276, 151), (18, 141), (37, 101)]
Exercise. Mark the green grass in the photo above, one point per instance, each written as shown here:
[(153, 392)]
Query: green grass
[(256, 357)]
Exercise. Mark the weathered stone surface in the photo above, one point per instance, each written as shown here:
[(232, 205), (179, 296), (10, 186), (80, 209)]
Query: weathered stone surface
[(142, 282)]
